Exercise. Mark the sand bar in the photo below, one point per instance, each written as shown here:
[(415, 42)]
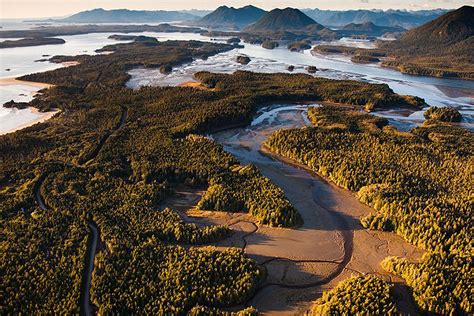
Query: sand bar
[(39, 116), (43, 116), (14, 82)]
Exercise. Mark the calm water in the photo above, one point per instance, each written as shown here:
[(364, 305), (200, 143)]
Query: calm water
[(436, 91), (15, 62)]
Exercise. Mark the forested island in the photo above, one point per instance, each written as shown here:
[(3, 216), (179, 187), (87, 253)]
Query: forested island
[(26, 42), (64, 30), (108, 160)]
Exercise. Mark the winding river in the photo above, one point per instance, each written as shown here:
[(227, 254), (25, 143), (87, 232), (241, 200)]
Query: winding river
[(330, 245)]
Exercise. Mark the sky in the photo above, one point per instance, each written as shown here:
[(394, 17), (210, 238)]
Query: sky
[(56, 8)]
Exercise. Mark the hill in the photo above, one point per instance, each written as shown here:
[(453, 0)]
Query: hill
[(442, 47), (288, 19), (405, 19), (230, 17), (127, 16), (369, 28)]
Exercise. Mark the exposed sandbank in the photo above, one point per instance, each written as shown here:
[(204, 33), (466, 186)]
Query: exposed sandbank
[(301, 262), (195, 85), (17, 82), (43, 117)]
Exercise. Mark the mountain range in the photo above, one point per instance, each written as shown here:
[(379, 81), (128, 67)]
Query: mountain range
[(127, 16), (369, 28), (225, 17), (231, 18), (405, 19)]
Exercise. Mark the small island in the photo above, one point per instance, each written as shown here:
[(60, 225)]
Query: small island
[(270, 44), (27, 42), (233, 40), (244, 60), (299, 46), (311, 69)]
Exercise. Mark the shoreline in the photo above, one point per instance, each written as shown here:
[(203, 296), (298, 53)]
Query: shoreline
[(44, 117), (16, 82)]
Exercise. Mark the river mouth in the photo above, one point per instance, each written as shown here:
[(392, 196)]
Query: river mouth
[(329, 246)]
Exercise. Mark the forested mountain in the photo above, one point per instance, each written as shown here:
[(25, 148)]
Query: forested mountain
[(449, 29), (281, 25), (230, 17), (442, 47), (288, 19), (127, 16), (369, 28), (406, 19)]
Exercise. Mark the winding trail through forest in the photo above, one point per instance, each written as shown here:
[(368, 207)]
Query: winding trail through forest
[(93, 238)]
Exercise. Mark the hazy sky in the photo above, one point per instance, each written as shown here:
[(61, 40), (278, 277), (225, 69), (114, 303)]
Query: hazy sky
[(51, 8)]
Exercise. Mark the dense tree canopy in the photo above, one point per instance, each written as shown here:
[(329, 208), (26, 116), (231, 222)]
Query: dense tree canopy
[(361, 295), (112, 155), (419, 183)]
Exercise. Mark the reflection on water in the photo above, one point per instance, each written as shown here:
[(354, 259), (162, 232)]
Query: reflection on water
[(436, 91), (245, 143)]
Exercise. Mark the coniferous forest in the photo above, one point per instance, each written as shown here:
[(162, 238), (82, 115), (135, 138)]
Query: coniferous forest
[(420, 186), (100, 168)]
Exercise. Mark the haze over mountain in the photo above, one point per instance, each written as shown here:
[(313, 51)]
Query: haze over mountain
[(288, 19), (405, 19), (238, 18), (230, 17), (127, 16), (442, 47), (370, 29)]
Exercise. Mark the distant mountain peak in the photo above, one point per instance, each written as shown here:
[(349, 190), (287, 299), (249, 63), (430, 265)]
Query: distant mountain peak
[(225, 16), (286, 19), (404, 18), (452, 27)]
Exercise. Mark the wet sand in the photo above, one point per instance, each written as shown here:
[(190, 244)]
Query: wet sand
[(41, 116), (44, 116), (14, 81), (195, 85), (330, 245)]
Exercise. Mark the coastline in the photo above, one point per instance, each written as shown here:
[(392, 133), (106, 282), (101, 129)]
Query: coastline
[(13, 81), (42, 118)]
